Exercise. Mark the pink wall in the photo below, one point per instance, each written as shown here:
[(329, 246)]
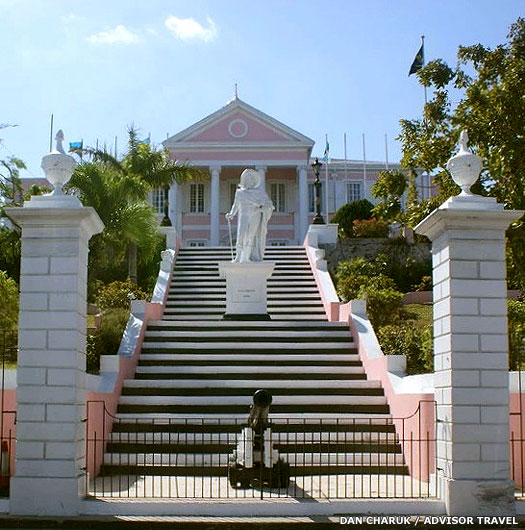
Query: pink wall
[(241, 154), (8, 428), (256, 131), (517, 438)]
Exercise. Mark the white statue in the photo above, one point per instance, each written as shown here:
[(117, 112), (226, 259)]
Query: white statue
[(254, 209)]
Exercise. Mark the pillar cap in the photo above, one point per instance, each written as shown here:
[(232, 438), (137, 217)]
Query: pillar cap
[(85, 217), (466, 218)]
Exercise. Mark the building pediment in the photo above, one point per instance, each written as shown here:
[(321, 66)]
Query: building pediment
[(238, 125)]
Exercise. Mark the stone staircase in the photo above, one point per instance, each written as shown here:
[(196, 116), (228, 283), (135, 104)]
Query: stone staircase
[(197, 374)]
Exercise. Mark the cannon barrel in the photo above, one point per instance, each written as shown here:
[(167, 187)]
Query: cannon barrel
[(258, 419)]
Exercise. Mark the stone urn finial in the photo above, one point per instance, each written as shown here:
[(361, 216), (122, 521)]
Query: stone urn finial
[(58, 167), (464, 167)]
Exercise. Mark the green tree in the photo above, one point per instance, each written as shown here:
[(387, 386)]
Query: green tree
[(11, 190), (491, 108), (389, 189), (126, 219), (145, 168)]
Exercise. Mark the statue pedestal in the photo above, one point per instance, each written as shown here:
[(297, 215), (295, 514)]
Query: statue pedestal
[(246, 294)]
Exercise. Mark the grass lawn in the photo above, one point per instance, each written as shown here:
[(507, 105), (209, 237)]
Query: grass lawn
[(421, 314)]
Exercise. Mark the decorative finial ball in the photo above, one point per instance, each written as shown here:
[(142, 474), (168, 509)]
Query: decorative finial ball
[(464, 167)]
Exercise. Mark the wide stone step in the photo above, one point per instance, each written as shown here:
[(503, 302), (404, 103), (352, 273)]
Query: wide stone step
[(248, 359), (218, 459), (252, 325), (244, 346), (282, 422), (222, 303), (261, 375), (155, 390), (204, 438), (238, 400), (262, 336), (220, 311), (317, 408), (292, 289), (278, 387), (285, 317), (218, 295), (248, 371)]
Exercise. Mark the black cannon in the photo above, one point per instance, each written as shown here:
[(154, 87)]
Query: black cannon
[(255, 462)]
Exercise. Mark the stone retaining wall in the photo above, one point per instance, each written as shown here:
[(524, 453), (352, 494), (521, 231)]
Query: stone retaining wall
[(369, 247)]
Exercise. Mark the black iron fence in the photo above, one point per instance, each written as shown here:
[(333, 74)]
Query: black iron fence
[(216, 458), (8, 357)]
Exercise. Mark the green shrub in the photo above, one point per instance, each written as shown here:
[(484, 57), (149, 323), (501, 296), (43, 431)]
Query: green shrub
[(409, 340), (9, 302), (347, 214), (384, 305), (106, 340), (370, 228), (117, 294), (516, 315), (424, 285), (406, 272)]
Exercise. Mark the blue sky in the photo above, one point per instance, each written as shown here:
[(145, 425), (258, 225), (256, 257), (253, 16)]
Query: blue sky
[(330, 66)]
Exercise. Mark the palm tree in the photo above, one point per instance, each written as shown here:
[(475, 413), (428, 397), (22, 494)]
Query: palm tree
[(148, 168), (127, 220)]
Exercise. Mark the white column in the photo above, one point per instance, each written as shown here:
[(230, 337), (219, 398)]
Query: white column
[(214, 206), (303, 203), (471, 351), (262, 172), (50, 432), (173, 206)]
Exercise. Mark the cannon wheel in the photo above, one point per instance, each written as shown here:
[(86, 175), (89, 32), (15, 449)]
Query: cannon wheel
[(281, 475), (237, 477)]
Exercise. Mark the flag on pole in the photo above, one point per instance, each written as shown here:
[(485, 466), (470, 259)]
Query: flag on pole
[(76, 147), (326, 150), (419, 61), (145, 141)]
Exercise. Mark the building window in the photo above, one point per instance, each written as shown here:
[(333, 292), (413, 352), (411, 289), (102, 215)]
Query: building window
[(197, 243), (311, 196), (353, 191), (278, 196), (278, 243), (196, 198), (157, 200)]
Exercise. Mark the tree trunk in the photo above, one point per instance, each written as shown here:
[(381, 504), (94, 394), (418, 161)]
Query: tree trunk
[(132, 262)]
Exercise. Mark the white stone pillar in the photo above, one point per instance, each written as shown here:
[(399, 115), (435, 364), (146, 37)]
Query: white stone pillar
[(215, 206), (303, 203), (262, 172), (173, 206), (470, 348), (50, 432)]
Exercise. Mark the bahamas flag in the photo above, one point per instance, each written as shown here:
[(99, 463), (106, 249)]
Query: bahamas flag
[(418, 62), (75, 147), (145, 141), (326, 151)]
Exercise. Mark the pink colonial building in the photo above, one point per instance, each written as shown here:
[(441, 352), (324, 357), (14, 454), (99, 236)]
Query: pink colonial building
[(238, 136)]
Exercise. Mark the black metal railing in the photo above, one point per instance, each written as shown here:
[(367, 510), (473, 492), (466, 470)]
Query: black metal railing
[(195, 458), (8, 358), (517, 438)]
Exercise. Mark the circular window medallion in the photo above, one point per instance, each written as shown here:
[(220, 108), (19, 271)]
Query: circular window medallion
[(238, 128)]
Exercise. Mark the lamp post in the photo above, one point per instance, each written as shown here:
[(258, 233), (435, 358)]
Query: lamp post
[(318, 219)]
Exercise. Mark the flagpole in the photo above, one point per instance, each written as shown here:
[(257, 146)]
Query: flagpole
[(326, 179), (423, 62), (364, 168), (386, 152), (115, 147), (51, 135), (344, 136)]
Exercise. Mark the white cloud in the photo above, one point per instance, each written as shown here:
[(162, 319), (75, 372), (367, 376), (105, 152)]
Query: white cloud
[(190, 29), (120, 34)]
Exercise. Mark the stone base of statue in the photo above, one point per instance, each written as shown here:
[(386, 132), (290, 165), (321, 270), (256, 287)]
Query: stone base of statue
[(246, 292)]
